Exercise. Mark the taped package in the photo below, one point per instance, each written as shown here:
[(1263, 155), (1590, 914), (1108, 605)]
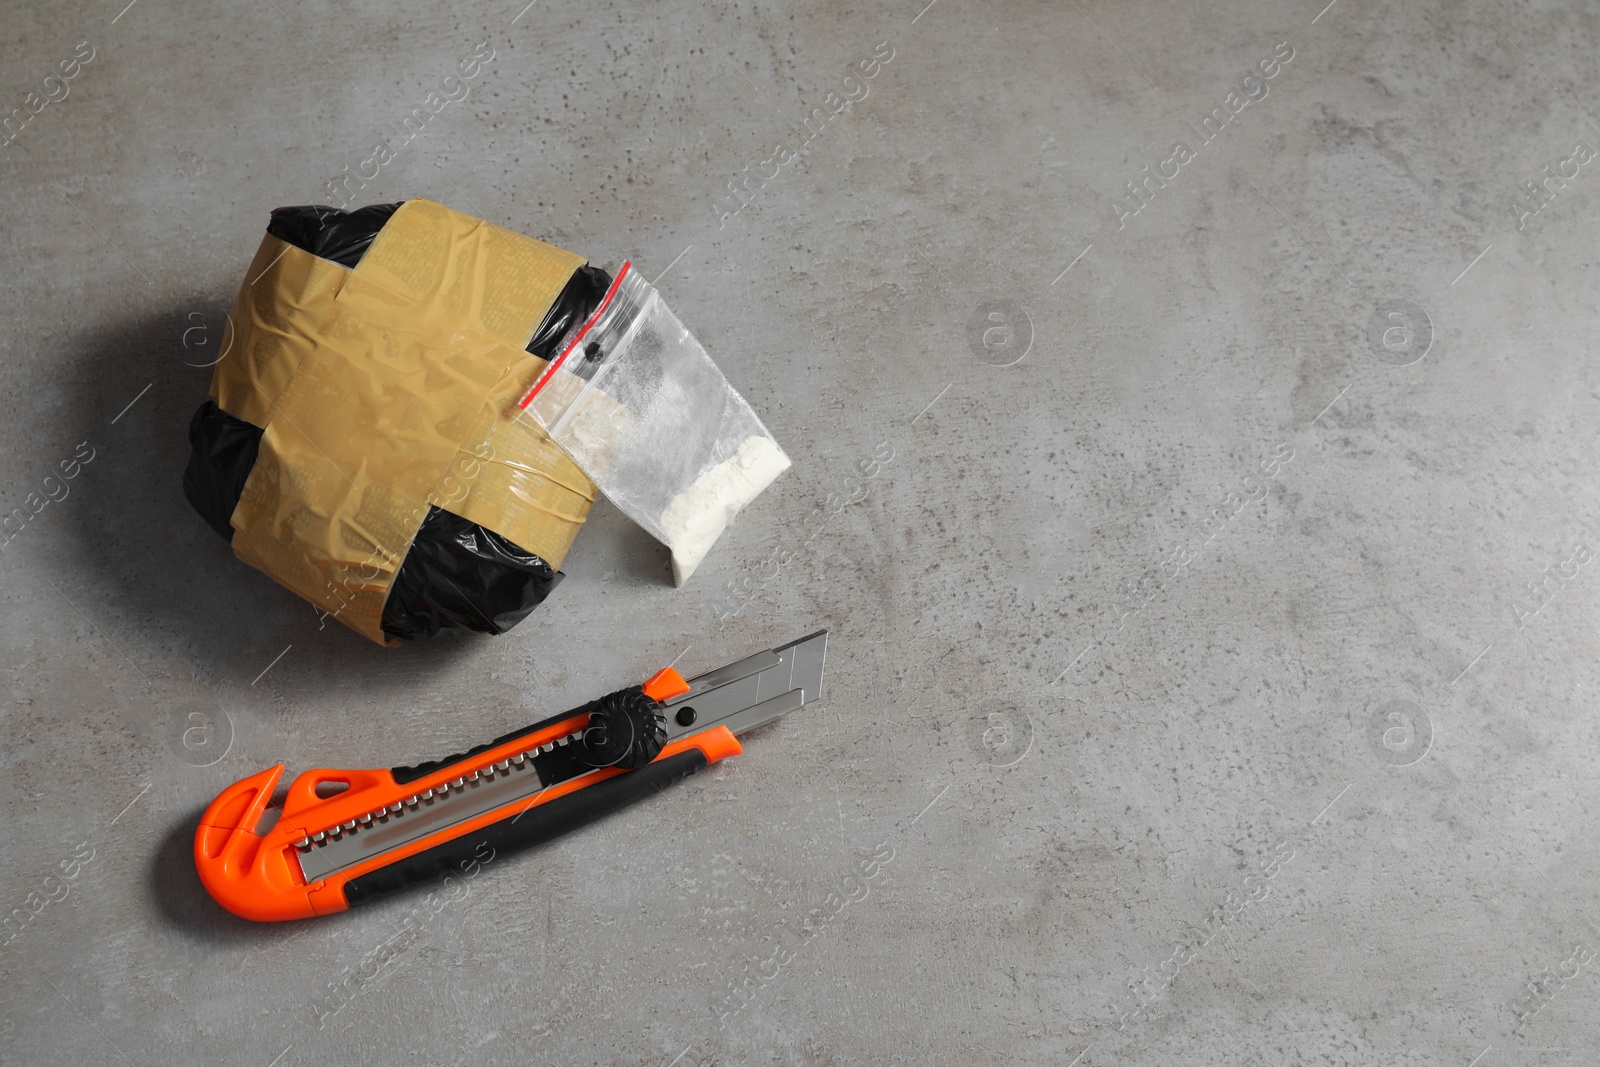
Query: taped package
[(363, 446)]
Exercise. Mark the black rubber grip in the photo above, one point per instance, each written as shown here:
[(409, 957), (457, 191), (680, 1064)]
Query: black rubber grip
[(532, 827), (422, 770), (646, 734)]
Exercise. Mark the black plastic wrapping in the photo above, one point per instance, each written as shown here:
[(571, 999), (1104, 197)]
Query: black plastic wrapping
[(583, 293), (462, 576), (224, 451), (458, 575), (327, 232)]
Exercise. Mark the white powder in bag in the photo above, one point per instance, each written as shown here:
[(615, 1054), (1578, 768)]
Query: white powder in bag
[(698, 515)]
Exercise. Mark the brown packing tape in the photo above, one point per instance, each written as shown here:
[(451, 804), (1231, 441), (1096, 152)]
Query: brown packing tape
[(284, 289), (516, 477), (389, 388), (590, 419)]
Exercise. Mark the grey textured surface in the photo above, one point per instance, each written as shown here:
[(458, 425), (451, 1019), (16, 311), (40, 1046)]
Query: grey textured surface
[(1164, 756)]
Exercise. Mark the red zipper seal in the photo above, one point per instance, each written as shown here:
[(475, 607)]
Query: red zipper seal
[(555, 364)]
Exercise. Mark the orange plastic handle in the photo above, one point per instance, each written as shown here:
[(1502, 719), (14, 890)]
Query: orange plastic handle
[(258, 876)]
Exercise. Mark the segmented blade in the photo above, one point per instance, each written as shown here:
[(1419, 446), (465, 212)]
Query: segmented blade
[(490, 786)]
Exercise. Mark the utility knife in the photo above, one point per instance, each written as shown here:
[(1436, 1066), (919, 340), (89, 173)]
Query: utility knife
[(341, 838)]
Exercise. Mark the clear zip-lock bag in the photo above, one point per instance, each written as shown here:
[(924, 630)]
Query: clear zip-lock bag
[(637, 402)]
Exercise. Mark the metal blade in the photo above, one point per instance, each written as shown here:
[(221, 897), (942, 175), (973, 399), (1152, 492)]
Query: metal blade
[(753, 691), (723, 675)]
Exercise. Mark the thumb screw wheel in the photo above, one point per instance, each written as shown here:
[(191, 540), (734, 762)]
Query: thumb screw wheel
[(626, 729)]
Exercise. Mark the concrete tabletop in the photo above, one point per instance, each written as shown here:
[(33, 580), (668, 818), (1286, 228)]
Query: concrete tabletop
[(1193, 417)]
